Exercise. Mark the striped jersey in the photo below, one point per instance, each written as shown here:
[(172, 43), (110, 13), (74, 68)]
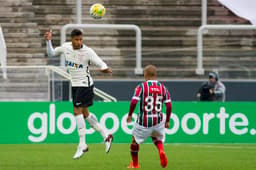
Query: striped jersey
[(151, 94)]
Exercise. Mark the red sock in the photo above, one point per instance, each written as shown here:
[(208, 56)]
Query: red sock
[(134, 153), (158, 143)]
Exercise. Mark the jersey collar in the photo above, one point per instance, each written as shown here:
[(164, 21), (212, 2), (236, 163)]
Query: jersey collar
[(152, 80)]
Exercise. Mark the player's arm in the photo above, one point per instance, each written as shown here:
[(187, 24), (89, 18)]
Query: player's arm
[(51, 52), (131, 109), (168, 104), (133, 103), (95, 59), (168, 113), (107, 70)]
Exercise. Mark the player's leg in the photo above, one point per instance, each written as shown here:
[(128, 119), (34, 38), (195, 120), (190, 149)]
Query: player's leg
[(91, 119), (157, 138), (134, 149), (162, 155), (158, 144), (82, 147), (139, 135)]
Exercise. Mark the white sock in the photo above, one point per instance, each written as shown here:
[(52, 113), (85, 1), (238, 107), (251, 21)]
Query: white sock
[(81, 128), (91, 119)]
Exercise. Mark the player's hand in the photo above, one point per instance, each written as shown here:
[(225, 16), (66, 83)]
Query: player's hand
[(48, 35), (129, 119), (167, 125), (108, 70)]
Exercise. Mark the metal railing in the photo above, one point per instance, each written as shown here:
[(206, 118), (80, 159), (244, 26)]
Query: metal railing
[(204, 30), (3, 53), (79, 11), (53, 75), (106, 97), (201, 31), (138, 69), (204, 12)]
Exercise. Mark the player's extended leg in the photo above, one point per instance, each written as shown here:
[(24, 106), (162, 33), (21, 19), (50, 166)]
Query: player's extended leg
[(82, 147), (162, 155), (91, 119), (134, 149)]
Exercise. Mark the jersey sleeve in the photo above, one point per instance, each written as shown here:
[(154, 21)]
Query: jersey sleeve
[(167, 97), (53, 52), (59, 50), (137, 92), (95, 59)]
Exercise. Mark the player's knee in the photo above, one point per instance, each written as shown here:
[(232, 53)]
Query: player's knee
[(154, 139), (86, 115), (77, 111), (86, 112), (134, 141)]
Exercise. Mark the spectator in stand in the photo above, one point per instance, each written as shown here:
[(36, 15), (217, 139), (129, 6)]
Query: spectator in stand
[(212, 90)]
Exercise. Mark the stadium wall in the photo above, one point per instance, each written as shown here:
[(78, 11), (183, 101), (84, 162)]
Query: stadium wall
[(181, 90)]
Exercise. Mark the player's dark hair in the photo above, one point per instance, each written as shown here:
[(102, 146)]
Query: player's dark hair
[(76, 32)]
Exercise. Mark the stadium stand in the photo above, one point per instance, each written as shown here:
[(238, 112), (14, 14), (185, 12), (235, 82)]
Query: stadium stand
[(22, 35), (169, 29)]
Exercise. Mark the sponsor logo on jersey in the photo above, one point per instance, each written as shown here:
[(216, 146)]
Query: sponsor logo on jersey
[(72, 64), (155, 90)]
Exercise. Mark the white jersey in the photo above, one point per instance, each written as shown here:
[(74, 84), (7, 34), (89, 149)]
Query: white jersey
[(77, 62)]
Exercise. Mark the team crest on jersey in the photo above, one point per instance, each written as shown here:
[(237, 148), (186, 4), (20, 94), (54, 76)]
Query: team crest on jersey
[(74, 65)]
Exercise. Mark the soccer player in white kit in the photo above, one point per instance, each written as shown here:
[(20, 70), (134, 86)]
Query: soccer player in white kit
[(150, 122), (78, 58)]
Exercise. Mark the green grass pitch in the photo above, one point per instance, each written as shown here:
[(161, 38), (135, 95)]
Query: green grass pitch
[(180, 157)]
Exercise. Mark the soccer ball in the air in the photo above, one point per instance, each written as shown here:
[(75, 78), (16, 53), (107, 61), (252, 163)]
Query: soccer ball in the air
[(97, 11)]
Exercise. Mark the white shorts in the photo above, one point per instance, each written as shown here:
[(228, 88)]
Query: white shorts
[(141, 133)]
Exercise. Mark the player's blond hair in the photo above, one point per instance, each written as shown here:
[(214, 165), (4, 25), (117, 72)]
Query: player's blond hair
[(150, 71)]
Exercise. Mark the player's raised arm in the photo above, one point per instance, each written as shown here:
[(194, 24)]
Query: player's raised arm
[(48, 35), (49, 48)]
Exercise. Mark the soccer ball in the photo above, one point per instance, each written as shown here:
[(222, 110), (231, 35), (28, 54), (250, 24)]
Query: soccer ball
[(97, 11)]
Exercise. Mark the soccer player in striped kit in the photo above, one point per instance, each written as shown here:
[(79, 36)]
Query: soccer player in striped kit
[(150, 122)]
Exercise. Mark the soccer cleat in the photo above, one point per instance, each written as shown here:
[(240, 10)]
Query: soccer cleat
[(108, 142), (132, 166), (163, 159), (80, 151)]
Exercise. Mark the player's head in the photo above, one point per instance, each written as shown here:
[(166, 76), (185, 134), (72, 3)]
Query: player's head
[(76, 38), (213, 77), (150, 72)]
